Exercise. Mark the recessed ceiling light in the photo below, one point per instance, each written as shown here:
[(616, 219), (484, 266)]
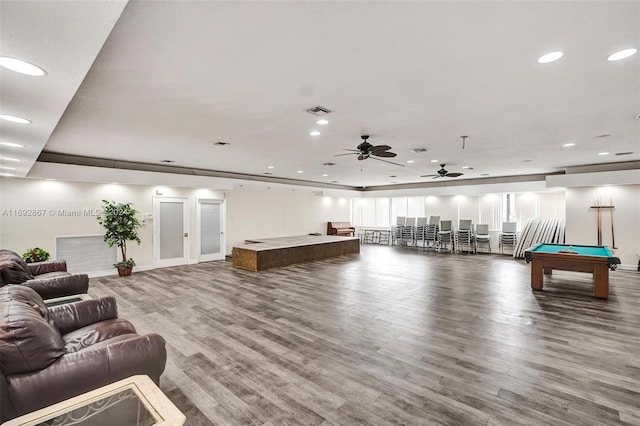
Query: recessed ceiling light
[(7, 168), (22, 67), (465, 167), (322, 122), (11, 144), (410, 161), (270, 167), (8, 159), (6, 174), (567, 145), (324, 175), (519, 171), (314, 133), (623, 54), (300, 171), (434, 161), (603, 153), (550, 57), (14, 119)]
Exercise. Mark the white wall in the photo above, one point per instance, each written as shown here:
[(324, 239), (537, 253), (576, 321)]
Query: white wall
[(251, 214), (582, 220), (269, 213)]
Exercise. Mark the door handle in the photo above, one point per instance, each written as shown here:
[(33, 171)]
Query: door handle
[(186, 234)]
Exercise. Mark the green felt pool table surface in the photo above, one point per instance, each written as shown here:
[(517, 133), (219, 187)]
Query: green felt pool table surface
[(579, 249)]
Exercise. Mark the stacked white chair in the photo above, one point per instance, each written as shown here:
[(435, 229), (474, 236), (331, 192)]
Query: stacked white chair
[(396, 231), (483, 237), (508, 236), (420, 231), (408, 231), (431, 235), (464, 236), (445, 236)]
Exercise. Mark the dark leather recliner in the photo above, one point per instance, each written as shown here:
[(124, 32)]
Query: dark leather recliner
[(49, 279), (49, 355)]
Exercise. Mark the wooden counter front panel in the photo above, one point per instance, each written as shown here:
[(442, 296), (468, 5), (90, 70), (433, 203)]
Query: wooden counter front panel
[(259, 260)]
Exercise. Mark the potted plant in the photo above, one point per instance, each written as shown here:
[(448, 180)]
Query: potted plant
[(119, 219), (35, 254)]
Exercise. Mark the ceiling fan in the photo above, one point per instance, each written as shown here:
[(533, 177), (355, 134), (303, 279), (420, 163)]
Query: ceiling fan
[(443, 173), (366, 150)]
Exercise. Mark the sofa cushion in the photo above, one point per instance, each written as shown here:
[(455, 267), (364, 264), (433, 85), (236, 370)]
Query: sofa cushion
[(96, 333), (11, 256), (51, 275), (27, 340), (14, 272)]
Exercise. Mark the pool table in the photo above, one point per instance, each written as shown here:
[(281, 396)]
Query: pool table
[(594, 259)]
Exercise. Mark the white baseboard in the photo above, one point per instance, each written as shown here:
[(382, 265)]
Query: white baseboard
[(626, 267), (114, 271)]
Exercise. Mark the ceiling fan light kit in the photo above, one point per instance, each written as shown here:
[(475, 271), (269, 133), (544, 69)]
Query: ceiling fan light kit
[(366, 150), (444, 173)]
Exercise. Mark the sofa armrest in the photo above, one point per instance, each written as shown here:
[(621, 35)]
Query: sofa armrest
[(88, 369), (39, 268), (72, 316), (66, 285)]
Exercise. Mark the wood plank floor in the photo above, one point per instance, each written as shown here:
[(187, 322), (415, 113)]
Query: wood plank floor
[(390, 337)]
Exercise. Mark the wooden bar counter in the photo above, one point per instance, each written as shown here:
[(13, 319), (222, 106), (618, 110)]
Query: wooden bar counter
[(261, 254)]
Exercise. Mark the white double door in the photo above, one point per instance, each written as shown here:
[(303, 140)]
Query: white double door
[(171, 230)]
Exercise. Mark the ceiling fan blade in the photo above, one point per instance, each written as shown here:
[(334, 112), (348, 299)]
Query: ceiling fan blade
[(380, 148), (428, 175), (454, 174), (384, 154), (352, 150), (390, 162), (437, 177), (350, 153)]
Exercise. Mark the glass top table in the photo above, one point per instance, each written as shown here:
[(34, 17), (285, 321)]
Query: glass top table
[(134, 401)]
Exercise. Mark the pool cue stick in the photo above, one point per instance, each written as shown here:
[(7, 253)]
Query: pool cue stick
[(613, 235), (599, 226)]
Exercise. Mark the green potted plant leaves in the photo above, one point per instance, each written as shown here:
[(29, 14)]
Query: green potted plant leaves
[(121, 224), (35, 254)]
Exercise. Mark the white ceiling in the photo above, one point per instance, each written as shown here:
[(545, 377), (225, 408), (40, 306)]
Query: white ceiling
[(173, 77)]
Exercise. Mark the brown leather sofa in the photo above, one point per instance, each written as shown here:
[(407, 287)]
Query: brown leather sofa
[(49, 279), (49, 355)]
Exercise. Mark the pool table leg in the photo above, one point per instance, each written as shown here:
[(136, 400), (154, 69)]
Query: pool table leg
[(536, 274), (547, 271), (601, 281)]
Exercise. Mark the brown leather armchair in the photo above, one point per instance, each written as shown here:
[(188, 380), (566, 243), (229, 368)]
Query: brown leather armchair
[(49, 279), (49, 355)]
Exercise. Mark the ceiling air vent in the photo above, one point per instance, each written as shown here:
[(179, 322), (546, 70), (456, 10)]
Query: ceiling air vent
[(318, 111), (220, 143), (419, 150), (624, 153), (328, 164)]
